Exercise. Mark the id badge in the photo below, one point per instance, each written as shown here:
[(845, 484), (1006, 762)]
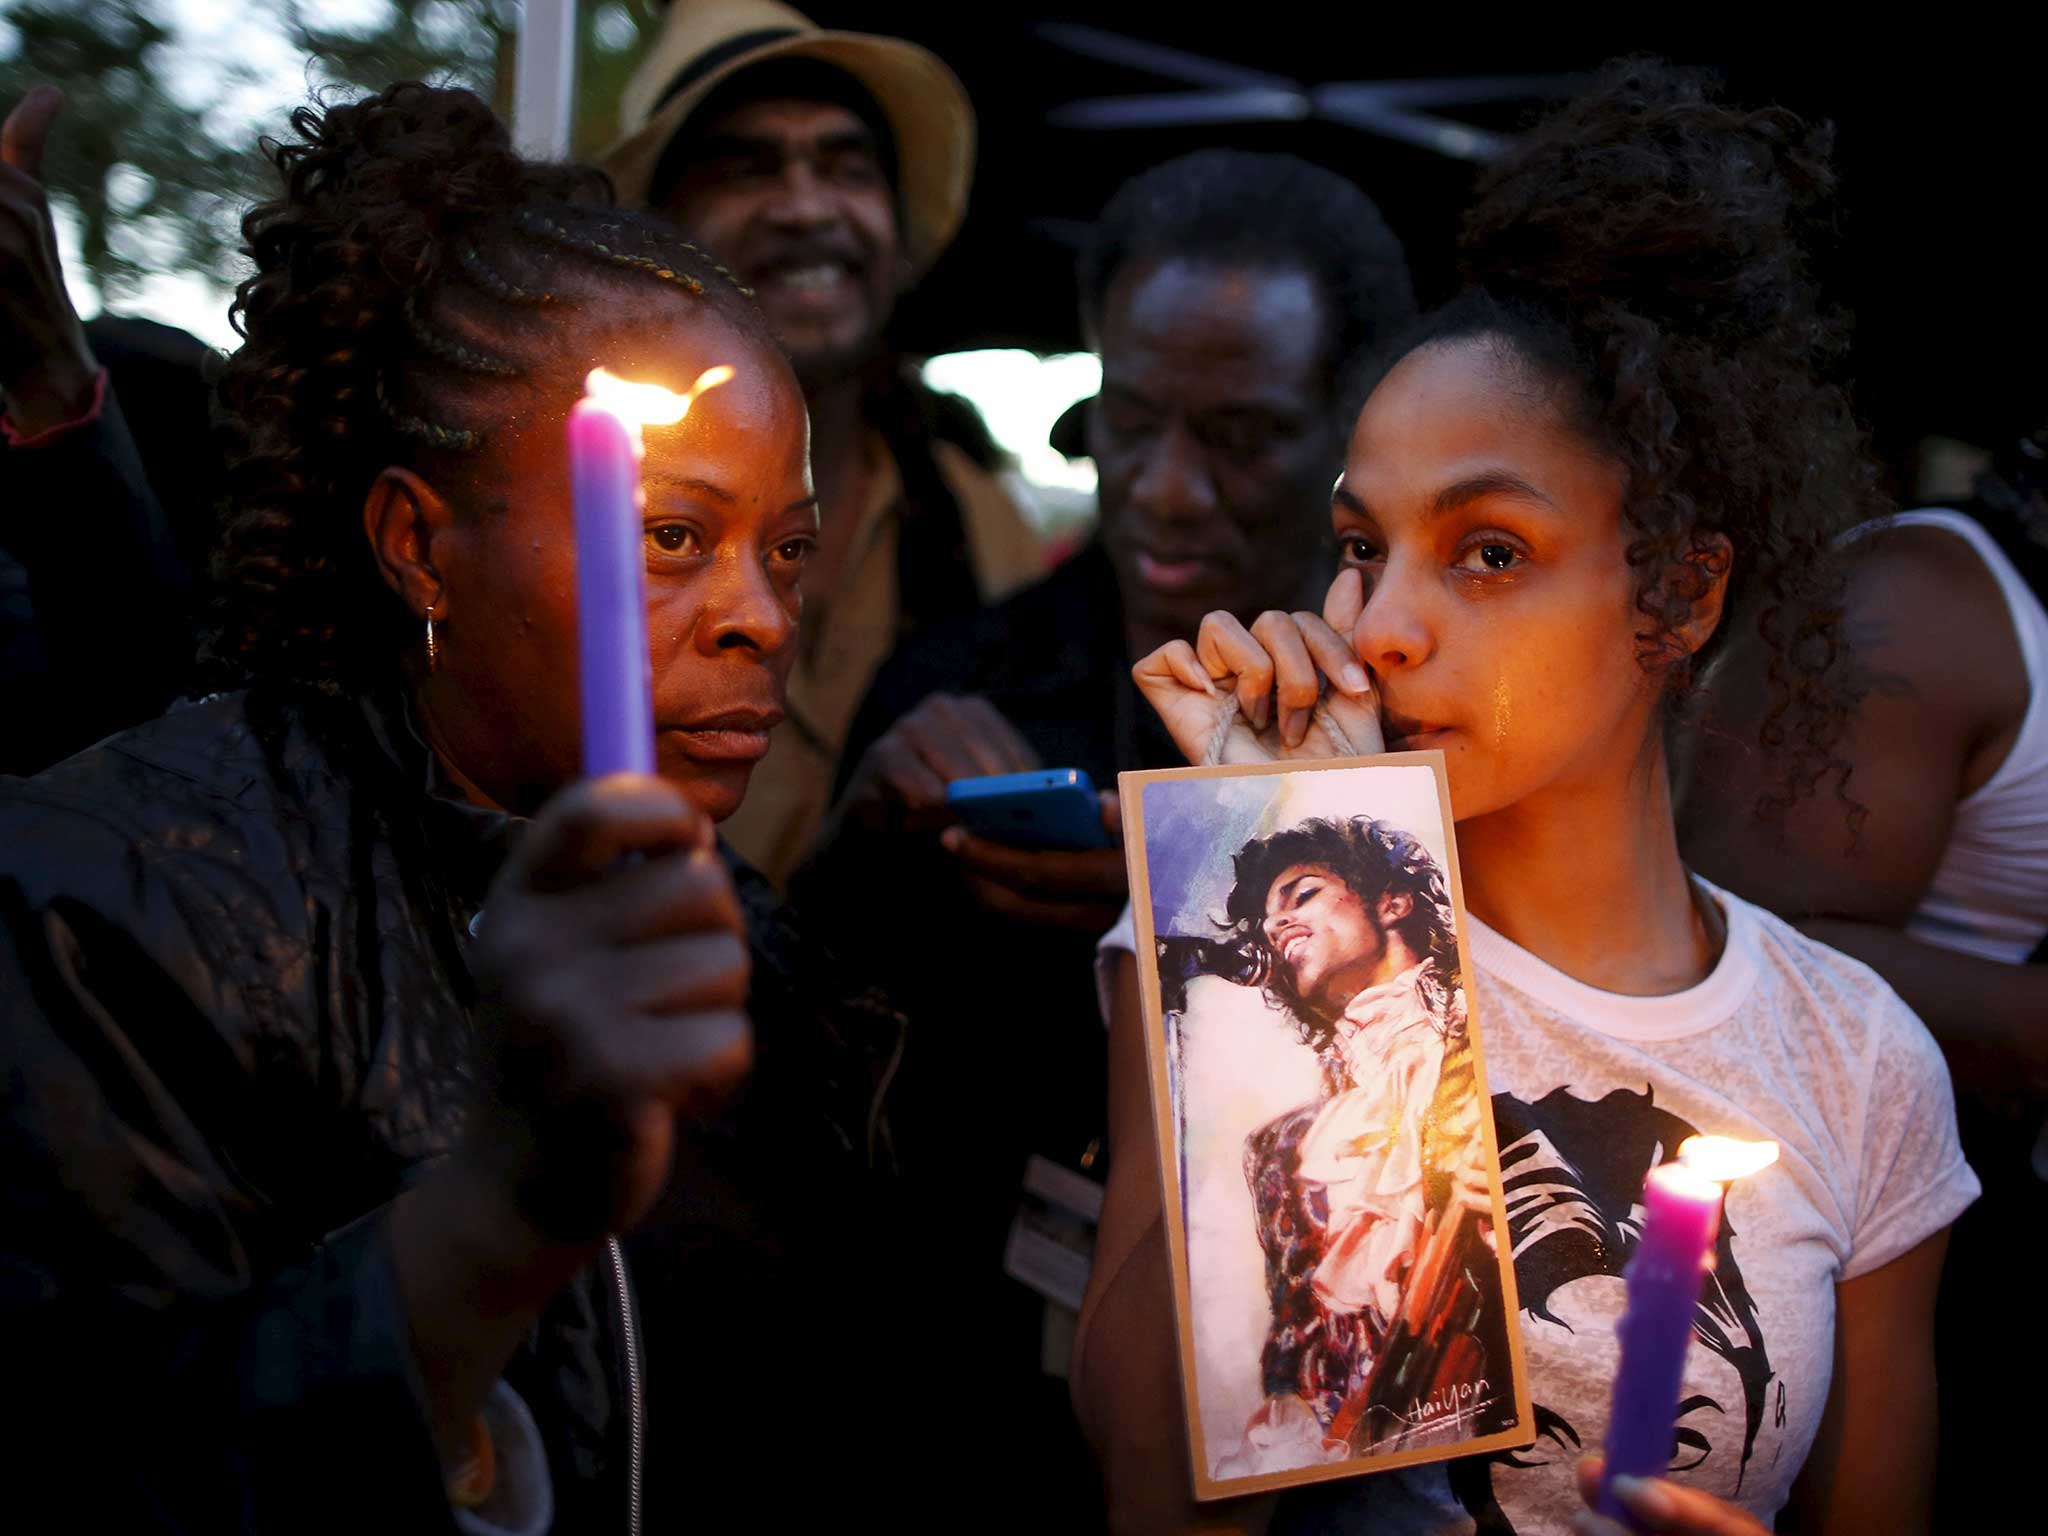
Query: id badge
[(1052, 1236)]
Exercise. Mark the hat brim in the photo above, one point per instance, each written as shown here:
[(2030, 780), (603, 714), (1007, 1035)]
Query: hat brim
[(924, 101)]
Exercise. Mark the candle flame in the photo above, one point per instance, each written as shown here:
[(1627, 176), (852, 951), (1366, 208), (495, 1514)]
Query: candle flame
[(1722, 1158), (649, 405), (638, 405)]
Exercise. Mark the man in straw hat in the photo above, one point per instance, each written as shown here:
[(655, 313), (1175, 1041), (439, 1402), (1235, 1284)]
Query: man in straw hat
[(829, 170)]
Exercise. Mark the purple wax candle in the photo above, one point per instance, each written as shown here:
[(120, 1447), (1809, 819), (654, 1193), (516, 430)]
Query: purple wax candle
[(611, 593), (1681, 1213), (1681, 1216)]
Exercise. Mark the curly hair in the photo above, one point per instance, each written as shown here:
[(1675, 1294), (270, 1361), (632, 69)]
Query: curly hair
[(415, 285), (1652, 250), (1373, 858)]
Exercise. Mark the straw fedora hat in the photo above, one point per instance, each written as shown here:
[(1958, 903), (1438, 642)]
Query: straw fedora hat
[(703, 43)]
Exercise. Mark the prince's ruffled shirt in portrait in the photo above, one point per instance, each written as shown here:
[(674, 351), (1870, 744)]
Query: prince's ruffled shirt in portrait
[(1344, 1188)]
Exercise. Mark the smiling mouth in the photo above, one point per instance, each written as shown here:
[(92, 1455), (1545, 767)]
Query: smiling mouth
[(1291, 950), (811, 277)]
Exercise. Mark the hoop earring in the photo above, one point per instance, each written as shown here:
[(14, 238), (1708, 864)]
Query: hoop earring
[(433, 650)]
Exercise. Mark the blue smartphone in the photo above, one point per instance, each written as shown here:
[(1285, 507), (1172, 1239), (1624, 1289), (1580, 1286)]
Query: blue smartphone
[(1046, 808)]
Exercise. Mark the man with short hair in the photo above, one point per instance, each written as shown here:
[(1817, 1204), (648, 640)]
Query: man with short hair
[(829, 170), (1237, 301)]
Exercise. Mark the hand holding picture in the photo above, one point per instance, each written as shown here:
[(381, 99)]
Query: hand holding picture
[(1275, 671), (1320, 1102)]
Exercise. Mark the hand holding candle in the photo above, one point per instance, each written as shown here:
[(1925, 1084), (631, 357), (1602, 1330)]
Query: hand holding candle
[(1681, 1217), (605, 449), (1661, 1505)]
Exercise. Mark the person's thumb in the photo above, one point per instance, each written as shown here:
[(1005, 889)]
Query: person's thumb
[(27, 129)]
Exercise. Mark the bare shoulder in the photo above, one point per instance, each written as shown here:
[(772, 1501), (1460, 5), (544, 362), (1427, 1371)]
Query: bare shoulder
[(1941, 691), (1923, 607)]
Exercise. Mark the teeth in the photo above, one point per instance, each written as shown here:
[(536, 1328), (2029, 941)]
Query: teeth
[(823, 275)]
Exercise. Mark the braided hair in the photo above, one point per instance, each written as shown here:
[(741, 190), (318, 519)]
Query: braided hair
[(414, 282), (1650, 250)]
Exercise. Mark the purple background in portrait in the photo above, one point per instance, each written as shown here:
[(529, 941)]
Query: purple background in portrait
[(1193, 827)]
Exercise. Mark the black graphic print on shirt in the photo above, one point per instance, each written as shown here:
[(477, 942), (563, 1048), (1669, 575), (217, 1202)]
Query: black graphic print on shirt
[(1572, 1172)]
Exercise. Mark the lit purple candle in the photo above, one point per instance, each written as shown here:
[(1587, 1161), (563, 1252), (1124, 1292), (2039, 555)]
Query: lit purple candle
[(611, 586), (1681, 1216)]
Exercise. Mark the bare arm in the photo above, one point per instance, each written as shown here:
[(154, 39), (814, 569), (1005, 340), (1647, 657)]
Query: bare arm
[(1125, 1372), (1871, 1469), (1946, 690)]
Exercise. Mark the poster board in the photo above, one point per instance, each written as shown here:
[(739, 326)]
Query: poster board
[(1342, 1291)]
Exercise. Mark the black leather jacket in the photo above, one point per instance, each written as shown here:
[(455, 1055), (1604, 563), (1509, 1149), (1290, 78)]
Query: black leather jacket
[(235, 992)]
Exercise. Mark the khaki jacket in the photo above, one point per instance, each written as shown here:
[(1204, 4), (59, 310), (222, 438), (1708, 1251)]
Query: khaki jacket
[(791, 790)]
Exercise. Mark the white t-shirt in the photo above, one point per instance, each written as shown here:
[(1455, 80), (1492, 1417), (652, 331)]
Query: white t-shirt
[(1785, 1040)]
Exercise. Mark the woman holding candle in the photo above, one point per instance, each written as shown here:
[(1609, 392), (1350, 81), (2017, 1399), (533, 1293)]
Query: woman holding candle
[(343, 1022), (1618, 442)]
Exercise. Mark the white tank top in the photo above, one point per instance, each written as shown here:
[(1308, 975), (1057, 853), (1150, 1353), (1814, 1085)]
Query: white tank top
[(1990, 895)]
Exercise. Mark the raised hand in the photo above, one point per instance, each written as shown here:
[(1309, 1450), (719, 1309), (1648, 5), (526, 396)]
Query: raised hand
[(1276, 672), (613, 976), (614, 961), (47, 370)]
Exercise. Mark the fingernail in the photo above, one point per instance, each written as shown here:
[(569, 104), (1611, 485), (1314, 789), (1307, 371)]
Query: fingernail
[(1644, 1495), (1354, 680), (950, 839), (1262, 712), (1293, 727)]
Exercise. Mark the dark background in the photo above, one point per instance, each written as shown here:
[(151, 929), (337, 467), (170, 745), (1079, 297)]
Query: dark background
[(1940, 145)]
